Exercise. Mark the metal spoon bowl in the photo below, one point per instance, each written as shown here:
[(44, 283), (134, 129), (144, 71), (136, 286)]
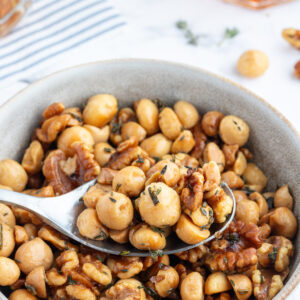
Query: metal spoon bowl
[(61, 213)]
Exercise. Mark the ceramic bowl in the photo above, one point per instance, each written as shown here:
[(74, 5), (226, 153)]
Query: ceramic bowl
[(274, 142)]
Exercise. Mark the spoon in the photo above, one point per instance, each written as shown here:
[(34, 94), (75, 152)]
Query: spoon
[(61, 213)]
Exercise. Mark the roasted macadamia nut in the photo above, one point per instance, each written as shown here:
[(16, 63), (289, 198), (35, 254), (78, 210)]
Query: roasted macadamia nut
[(100, 135), (7, 240), (240, 164), (216, 283), (254, 175), (169, 282), (32, 159), (210, 122), (185, 142), (100, 110), (9, 271), (186, 113), (157, 145), (13, 175), (130, 129), (129, 181), (169, 123), (241, 285), (115, 210), (247, 211), (147, 114), (6, 216), (119, 236), (33, 254), (144, 237), (212, 152), (159, 205), (103, 152), (36, 281), (190, 233), (234, 130), (89, 225), (283, 198), (253, 63), (192, 287), (74, 134), (21, 294)]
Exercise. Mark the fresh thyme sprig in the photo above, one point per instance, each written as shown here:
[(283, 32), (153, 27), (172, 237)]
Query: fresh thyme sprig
[(189, 35), (230, 33)]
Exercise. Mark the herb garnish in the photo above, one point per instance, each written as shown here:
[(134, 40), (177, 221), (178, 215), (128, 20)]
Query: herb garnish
[(124, 252), (230, 33), (115, 127), (182, 138), (78, 118), (118, 186), (243, 292), (71, 281), (31, 289), (192, 39), (163, 170), (124, 270), (156, 158), (204, 212), (140, 160), (18, 261), (112, 199), (232, 282), (108, 150), (225, 260), (156, 253), (272, 255), (160, 105), (156, 229), (102, 235), (99, 258), (233, 237), (66, 245), (153, 195), (151, 292)]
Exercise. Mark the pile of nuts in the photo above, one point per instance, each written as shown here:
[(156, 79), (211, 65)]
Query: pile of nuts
[(158, 170)]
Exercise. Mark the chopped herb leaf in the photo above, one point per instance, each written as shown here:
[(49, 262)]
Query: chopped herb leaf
[(247, 190), (112, 199), (225, 260), (153, 196), (78, 118), (170, 291), (232, 283), (108, 150), (272, 255), (140, 287), (115, 127), (99, 258), (189, 35), (163, 170), (158, 191), (159, 103), (243, 292), (161, 265), (233, 237), (71, 281), (156, 253), (124, 270), (231, 33), (204, 204), (203, 211), (140, 160), (118, 186), (158, 230), (151, 292), (5, 214), (102, 235), (31, 289), (182, 138), (18, 261), (66, 245), (124, 252), (156, 158)]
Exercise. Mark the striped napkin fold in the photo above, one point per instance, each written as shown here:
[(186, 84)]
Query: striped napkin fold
[(50, 29)]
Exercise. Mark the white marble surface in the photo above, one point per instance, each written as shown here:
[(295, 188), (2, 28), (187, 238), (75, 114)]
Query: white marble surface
[(151, 33)]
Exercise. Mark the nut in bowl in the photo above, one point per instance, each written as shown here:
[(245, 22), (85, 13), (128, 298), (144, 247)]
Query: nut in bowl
[(252, 258)]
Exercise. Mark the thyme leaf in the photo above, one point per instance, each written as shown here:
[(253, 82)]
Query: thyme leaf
[(156, 253), (124, 252), (112, 199), (140, 160), (107, 150), (272, 255), (102, 235), (76, 117), (153, 195), (163, 170), (191, 38), (31, 289), (71, 281)]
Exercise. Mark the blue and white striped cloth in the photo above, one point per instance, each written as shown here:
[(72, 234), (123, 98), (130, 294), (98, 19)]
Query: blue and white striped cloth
[(51, 28)]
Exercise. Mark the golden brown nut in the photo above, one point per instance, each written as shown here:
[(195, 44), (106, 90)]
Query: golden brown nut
[(100, 109), (292, 36), (216, 283), (239, 195), (103, 152), (32, 159), (192, 287), (190, 233), (159, 205), (89, 225), (100, 135), (147, 114), (130, 129), (144, 237), (233, 180), (98, 272), (247, 211), (119, 236), (241, 285), (240, 164), (254, 175), (230, 152), (123, 288), (33, 254), (283, 222), (21, 235), (166, 281), (35, 281), (253, 63), (92, 196), (7, 240), (9, 271), (211, 121), (212, 152), (80, 292), (129, 181), (74, 134), (261, 202), (13, 175), (21, 294), (184, 142), (186, 113), (157, 145), (55, 278), (169, 123), (283, 198), (125, 267), (165, 171), (200, 141), (6, 216), (31, 230), (234, 130), (115, 210), (194, 254)]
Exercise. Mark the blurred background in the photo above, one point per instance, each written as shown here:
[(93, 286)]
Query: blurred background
[(40, 37)]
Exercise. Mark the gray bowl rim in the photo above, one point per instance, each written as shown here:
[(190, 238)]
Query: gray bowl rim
[(292, 282)]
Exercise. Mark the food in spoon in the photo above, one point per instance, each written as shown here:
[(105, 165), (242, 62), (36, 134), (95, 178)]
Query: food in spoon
[(158, 170)]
